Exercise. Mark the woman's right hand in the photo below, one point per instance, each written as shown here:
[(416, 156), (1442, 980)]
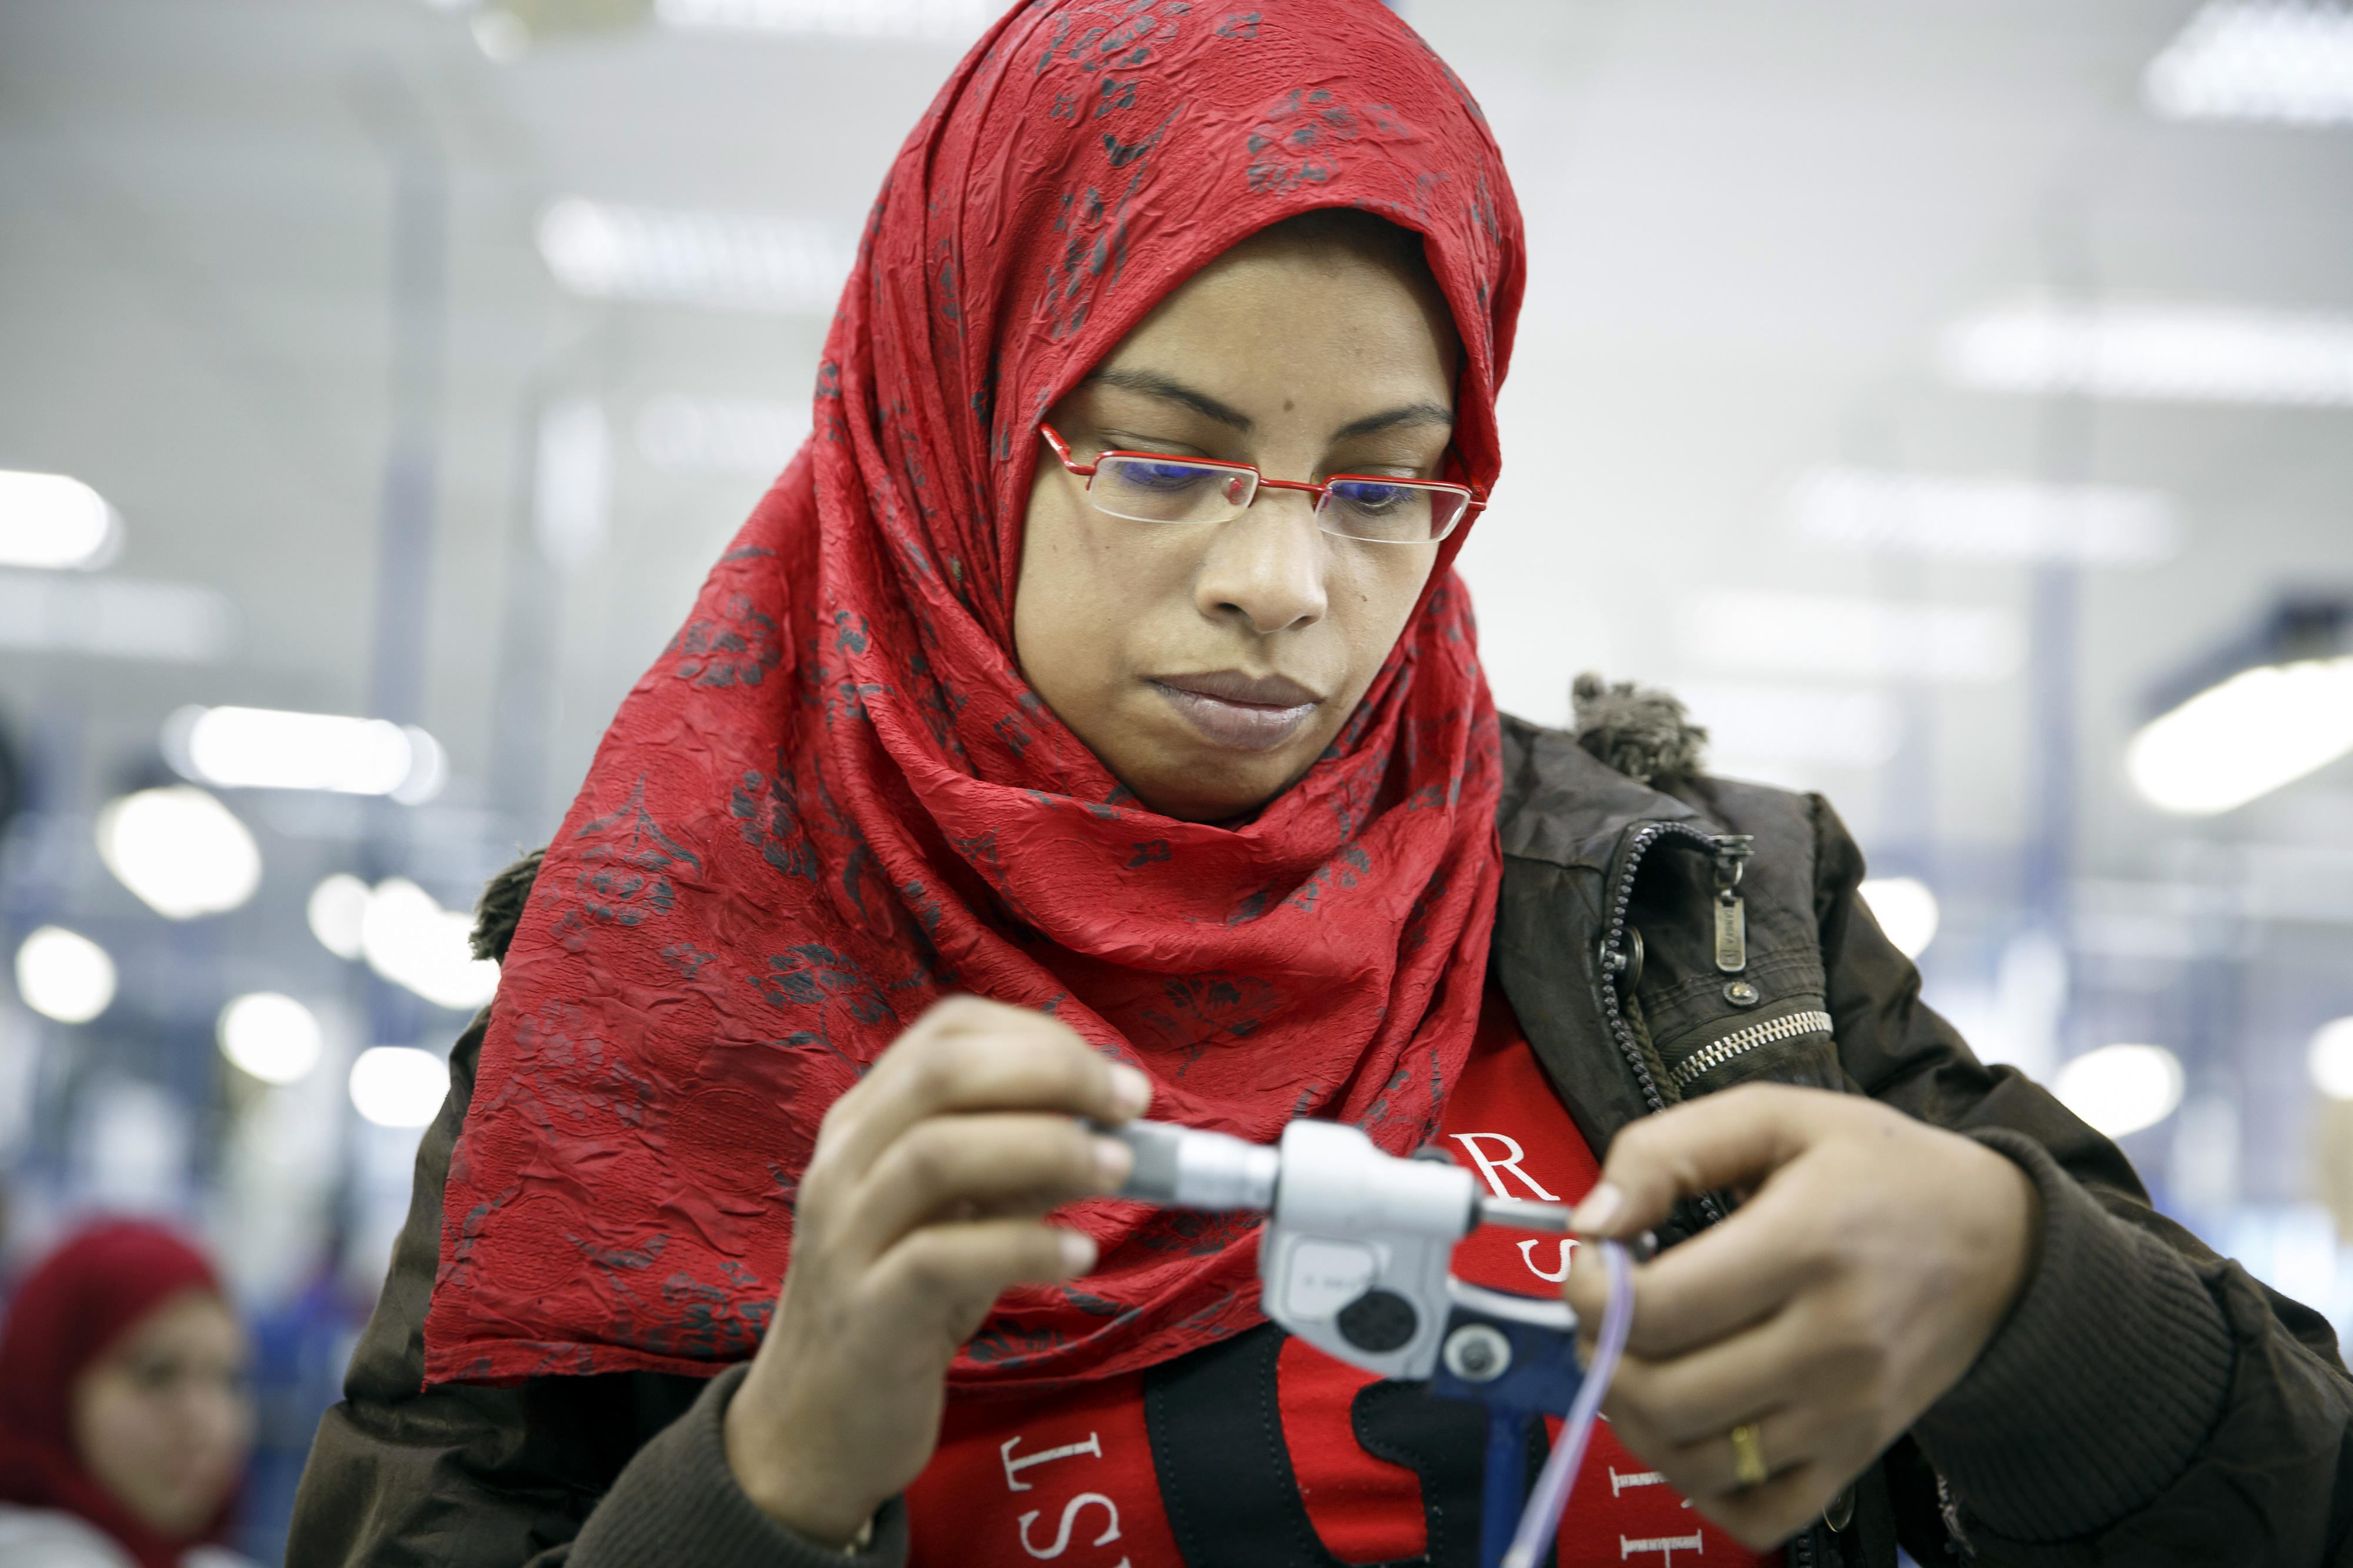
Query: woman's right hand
[(922, 1204)]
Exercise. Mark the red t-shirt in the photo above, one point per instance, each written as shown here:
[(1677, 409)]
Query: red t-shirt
[(1068, 1477)]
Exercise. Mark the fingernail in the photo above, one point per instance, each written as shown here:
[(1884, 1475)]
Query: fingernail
[(1600, 1213), (1114, 1161), (1078, 1253), (1131, 1092)]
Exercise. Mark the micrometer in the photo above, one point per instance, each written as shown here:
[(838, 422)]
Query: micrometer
[(1354, 1258)]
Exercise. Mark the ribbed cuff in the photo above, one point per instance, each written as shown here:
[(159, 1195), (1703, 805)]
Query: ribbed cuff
[(2098, 1391), (677, 1505)]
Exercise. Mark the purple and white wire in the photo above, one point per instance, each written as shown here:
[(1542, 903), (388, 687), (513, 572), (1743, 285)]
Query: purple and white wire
[(1541, 1518)]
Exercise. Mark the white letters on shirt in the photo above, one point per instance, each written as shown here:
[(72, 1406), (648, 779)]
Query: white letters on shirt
[(1094, 1445), (1488, 1167), (1528, 1257), (1069, 1514)]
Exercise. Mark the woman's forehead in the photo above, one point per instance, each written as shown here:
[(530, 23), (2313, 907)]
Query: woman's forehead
[(1356, 342)]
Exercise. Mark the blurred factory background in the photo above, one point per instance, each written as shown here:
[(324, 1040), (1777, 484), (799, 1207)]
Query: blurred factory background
[(1953, 400)]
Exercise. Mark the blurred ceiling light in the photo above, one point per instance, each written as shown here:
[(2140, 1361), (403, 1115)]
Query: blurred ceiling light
[(50, 521), (1985, 519), (1826, 634), (1763, 722), (2257, 59), (1905, 909), (501, 34), (183, 852), (2121, 1089), (946, 21), (2330, 1059), (338, 905), (507, 30), (265, 748), (572, 501), (175, 623), (754, 437), (2190, 353), (2246, 737), (412, 941), (741, 261), (63, 974), (399, 1086), (272, 1036)]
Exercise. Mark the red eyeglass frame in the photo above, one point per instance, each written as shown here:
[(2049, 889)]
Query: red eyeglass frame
[(1475, 501)]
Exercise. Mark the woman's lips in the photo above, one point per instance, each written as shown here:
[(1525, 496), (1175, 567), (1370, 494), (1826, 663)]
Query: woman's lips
[(1241, 712)]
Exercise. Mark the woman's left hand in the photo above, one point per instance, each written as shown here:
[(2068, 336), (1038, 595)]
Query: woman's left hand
[(1871, 1260)]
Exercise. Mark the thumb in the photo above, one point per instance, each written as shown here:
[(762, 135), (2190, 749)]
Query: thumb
[(1735, 1139)]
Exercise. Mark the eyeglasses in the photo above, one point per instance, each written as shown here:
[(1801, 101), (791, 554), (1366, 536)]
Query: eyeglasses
[(1152, 486)]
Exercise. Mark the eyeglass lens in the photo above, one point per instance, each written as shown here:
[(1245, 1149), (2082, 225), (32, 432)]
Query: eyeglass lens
[(1158, 489)]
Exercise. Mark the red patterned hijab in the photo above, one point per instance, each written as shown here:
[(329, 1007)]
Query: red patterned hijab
[(833, 800), (67, 1313)]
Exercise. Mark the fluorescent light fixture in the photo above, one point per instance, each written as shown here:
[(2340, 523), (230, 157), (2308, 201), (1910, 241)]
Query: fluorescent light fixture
[(945, 21), (413, 941), (2121, 1089), (270, 1035), (2279, 60), (399, 1086), (51, 521), (1905, 909), (571, 502), (2329, 1058), (183, 852), (2184, 353), (336, 907), (754, 437), (63, 974), (1762, 723), (2246, 737), (1985, 519), (265, 748), (738, 261), (1833, 635), (113, 618)]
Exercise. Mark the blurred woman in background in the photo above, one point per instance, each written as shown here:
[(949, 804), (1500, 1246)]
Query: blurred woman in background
[(124, 1416)]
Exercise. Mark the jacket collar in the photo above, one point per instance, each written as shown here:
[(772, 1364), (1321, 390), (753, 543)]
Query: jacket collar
[(1562, 804)]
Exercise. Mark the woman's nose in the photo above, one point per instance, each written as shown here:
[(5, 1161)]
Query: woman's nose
[(1267, 565)]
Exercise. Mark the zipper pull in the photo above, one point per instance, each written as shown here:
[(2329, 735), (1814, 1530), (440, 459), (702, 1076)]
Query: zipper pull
[(1732, 852)]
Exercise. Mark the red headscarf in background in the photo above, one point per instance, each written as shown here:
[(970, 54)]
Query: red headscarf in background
[(69, 1311), (833, 800)]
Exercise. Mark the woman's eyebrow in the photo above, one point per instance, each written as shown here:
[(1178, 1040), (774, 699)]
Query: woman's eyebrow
[(1151, 383), (1410, 414)]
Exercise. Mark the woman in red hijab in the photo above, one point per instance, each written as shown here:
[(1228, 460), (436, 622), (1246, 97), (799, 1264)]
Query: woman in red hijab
[(1088, 720), (124, 1418)]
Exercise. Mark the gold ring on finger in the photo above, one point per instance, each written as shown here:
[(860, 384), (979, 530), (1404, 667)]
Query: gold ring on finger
[(1748, 1454)]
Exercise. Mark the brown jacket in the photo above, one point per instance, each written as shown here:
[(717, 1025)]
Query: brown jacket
[(2145, 1403)]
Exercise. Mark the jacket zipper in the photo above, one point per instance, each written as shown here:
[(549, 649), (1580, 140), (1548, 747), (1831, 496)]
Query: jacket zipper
[(1740, 1040), (1729, 851), (1732, 852), (1614, 962)]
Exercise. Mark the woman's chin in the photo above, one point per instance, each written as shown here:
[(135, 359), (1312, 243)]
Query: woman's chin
[(1209, 784)]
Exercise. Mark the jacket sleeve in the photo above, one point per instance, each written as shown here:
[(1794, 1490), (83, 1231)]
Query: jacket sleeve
[(2146, 1401), (586, 1471)]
